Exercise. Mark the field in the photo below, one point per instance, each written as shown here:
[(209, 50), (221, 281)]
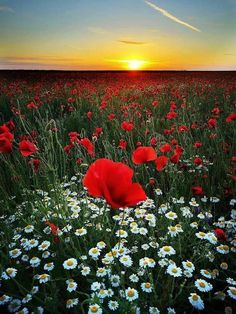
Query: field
[(117, 192)]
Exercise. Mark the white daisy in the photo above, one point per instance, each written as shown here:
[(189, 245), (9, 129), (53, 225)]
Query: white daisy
[(113, 305), (232, 292), (196, 301), (95, 308), (131, 294), (174, 271), (70, 263), (146, 287), (202, 285)]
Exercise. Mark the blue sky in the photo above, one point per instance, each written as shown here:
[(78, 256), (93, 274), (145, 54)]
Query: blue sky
[(107, 34)]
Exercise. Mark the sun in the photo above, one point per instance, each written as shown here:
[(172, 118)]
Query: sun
[(135, 64)]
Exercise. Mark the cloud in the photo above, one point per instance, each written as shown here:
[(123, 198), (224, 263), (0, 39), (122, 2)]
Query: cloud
[(6, 9), (131, 42), (170, 16), (97, 30)]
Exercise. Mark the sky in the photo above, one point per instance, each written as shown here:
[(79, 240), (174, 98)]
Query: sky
[(118, 34)]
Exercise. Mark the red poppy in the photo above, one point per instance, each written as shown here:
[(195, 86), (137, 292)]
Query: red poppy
[(127, 126), (89, 115), (27, 148), (197, 190), (212, 123), (143, 154), (153, 141), (171, 115), (35, 163), (197, 145), (6, 143), (88, 145), (197, 161), (161, 162), (231, 117), (165, 148), (4, 129), (122, 144), (220, 234), (113, 181)]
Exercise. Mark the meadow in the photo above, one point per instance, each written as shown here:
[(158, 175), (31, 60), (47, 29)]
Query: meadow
[(117, 192)]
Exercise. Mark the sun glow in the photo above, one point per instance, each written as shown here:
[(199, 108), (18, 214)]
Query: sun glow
[(135, 64)]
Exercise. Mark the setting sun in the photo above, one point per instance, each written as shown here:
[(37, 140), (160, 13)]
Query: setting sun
[(135, 64)]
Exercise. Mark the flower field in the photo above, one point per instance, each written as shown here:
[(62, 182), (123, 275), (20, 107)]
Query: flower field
[(117, 192)]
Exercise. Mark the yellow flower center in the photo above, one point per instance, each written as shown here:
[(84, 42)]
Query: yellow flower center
[(131, 293)]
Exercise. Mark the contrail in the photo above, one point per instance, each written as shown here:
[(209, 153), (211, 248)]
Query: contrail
[(170, 16)]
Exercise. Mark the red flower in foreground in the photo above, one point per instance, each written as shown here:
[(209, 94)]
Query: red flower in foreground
[(27, 148), (113, 181), (143, 154), (220, 234), (161, 162)]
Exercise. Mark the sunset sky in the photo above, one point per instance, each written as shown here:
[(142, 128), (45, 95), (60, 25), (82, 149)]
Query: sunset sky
[(118, 34)]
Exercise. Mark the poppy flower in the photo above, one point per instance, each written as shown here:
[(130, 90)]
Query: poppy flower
[(165, 148), (113, 181), (6, 143), (212, 123), (161, 162), (88, 145), (220, 234), (197, 190), (198, 161), (231, 117), (35, 163), (127, 126), (143, 154), (27, 148), (122, 144), (4, 129)]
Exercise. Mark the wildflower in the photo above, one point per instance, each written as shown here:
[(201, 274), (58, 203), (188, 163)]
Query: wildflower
[(174, 271), (44, 246), (100, 183), (85, 270), (71, 285), (95, 308), (146, 287), (166, 251), (126, 260), (70, 263), (131, 294), (94, 252), (196, 301), (171, 215), (27, 148), (232, 292), (188, 266), (71, 303), (113, 305), (115, 280), (49, 266), (202, 285), (80, 232), (143, 155), (44, 278)]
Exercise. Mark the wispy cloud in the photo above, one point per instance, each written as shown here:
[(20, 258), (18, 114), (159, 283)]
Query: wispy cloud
[(170, 16), (97, 30), (131, 42), (6, 9)]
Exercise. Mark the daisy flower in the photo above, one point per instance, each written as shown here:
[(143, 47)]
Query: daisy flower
[(196, 301), (202, 285), (126, 260), (70, 263), (174, 271), (94, 252), (146, 287), (71, 303), (113, 305), (232, 292), (95, 308), (131, 294)]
